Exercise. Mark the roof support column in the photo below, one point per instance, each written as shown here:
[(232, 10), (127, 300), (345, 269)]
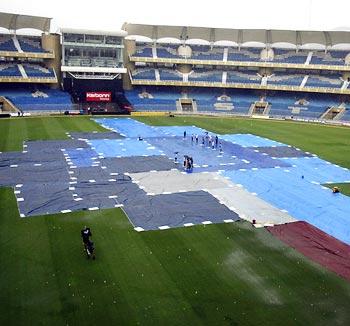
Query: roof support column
[(240, 38), (155, 34)]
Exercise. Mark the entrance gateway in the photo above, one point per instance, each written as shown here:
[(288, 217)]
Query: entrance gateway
[(186, 105)]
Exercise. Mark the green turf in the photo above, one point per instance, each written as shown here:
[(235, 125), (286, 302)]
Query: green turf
[(14, 131), (343, 187), (229, 274)]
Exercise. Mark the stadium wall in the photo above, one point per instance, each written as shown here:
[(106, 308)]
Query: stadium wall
[(129, 49), (51, 42)]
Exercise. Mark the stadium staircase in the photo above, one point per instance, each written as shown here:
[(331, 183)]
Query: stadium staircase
[(154, 51), (156, 72), (345, 85), (16, 43), (178, 106), (304, 81), (261, 108), (267, 110), (22, 70), (185, 77), (224, 77), (8, 106), (341, 113), (334, 113), (309, 57), (224, 58), (251, 109)]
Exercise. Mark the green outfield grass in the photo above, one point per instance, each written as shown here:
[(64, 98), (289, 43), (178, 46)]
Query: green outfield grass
[(220, 274), (343, 187), (14, 131)]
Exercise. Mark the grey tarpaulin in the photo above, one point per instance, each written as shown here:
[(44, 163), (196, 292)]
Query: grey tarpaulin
[(46, 181), (282, 151), (139, 164), (96, 135)]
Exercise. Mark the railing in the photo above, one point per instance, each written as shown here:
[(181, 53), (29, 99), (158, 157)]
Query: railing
[(280, 116), (34, 109), (36, 55), (242, 86), (258, 64), (42, 80)]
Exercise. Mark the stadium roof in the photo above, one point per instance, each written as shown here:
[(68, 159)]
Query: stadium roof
[(239, 36), (120, 33), (15, 22)]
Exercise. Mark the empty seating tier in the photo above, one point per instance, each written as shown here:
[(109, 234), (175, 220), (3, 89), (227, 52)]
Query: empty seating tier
[(244, 54), (31, 44), (40, 99)]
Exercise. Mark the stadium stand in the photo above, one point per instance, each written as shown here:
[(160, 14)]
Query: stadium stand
[(346, 116), (207, 100), (229, 101), (8, 69), (329, 58), (13, 43), (6, 43), (205, 52), (154, 99), (169, 74), (143, 50), (40, 99), (246, 77), (167, 51), (329, 81), (30, 44), (304, 105), (287, 56), (282, 78), (34, 70), (144, 74), (25, 72), (205, 75), (249, 54), (235, 101)]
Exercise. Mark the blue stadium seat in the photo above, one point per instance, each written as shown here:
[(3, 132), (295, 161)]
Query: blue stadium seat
[(205, 75), (324, 80), (169, 74), (143, 51), (283, 78), (30, 44), (144, 74), (245, 77), (43, 99), (9, 70), (6, 44), (38, 71)]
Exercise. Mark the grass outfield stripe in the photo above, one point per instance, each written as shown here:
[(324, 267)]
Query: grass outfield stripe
[(201, 268), (223, 274), (15, 130)]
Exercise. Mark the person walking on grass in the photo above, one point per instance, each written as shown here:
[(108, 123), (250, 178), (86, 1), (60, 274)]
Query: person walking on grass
[(85, 235)]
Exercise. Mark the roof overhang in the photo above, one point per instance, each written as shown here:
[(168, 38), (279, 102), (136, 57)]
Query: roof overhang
[(105, 70), (120, 33), (239, 36), (15, 22)]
